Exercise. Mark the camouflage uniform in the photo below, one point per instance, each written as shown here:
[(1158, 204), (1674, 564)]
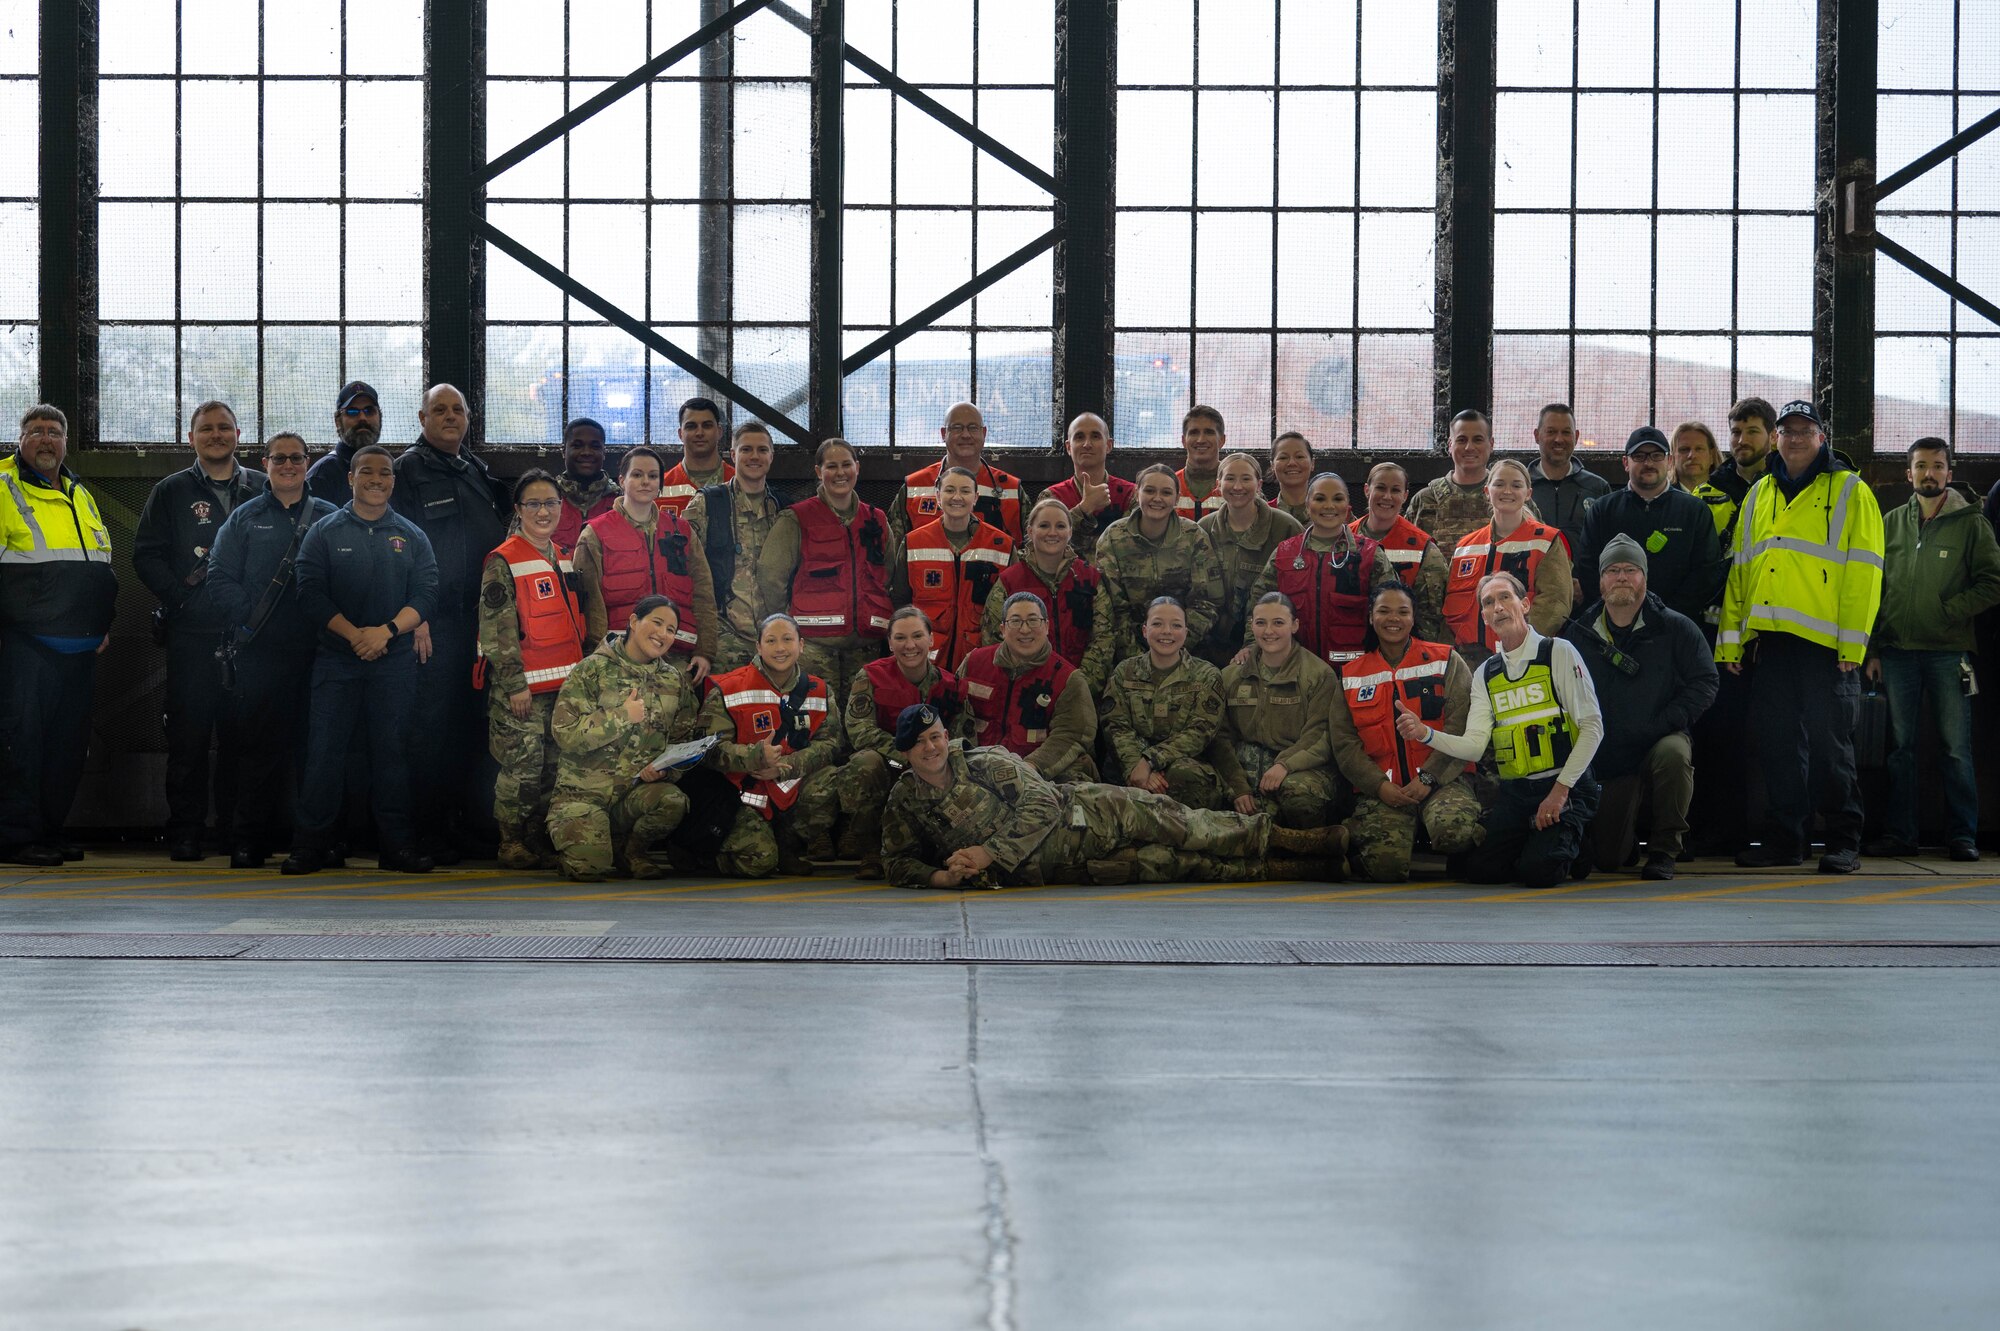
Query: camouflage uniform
[(598, 815), (835, 660), (1097, 659), (1181, 564), (743, 604), (1380, 837), (1168, 718), (1448, 511), (525, 749), (1039, 832), (589, 561), (1243, 555), (874, 763), (1299, 513), (1280, 716), (583, 498), (1383, 574), (756, 846)]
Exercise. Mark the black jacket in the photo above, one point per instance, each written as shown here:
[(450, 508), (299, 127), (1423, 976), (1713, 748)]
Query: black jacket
[(1684, 556), (366, 571), (1670, 681), (248, 551), (176, 530), (456, 503), (327, 478)]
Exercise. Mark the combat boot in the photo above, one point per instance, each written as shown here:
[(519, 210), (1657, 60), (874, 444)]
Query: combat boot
[(543, 849), (646, 860), (514, 851), (1330, 842)]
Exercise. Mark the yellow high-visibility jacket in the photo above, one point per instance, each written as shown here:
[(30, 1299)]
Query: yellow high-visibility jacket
[(55, 557), (1811, 567)]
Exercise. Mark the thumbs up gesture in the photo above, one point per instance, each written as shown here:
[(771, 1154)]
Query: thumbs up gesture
[(1407, 723), (635, 706), (1095, 497)]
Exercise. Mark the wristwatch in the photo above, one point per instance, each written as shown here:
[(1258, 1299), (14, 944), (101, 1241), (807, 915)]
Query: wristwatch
[(1426, 777)]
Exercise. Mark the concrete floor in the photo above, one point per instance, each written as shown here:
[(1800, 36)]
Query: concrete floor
[(204, 1144)]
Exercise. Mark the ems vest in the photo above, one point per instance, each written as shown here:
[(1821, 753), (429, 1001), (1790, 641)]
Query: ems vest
[(634, 569), (893, 693), (1186, 505), (1074, 614), (1373, 687), (545, 606), (1331, 600), (1403, 545), (1532, 735), (760, 713), (1480, 554), (841, 586), (998, 499), (1124, 498), (677, 488), (1013, 711), (951, 586)]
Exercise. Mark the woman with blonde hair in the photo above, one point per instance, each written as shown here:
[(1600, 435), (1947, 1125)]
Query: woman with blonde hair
[(1513, 542)]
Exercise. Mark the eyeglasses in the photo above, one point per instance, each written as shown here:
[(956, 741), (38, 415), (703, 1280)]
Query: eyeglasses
[(284, 459), (541, 505), (1016, 622), (352, 412), (965, 429)]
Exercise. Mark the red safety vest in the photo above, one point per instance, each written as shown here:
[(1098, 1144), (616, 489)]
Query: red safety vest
[(1124, 498), (841, 586), (1074, 614), (951, 585), (1373, 687), (1477, 555), (998, 500), (570, 525), (633, 569), (893, 693), (1186, 505), (677, 488), (1013, 711), (755, 705), (1330, 600), (1403, 546), (546, 609)]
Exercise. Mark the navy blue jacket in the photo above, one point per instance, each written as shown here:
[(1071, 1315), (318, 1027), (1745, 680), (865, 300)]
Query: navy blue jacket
[(327, 478), (248, 550), (1685, 566), (176, 530), (462, 509), (1672, 682), (366, 571)]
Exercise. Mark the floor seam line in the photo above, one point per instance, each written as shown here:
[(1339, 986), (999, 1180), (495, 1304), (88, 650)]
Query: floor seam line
[(998, 1227)]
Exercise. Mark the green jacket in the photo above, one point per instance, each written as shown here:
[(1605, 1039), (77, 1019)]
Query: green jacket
[(1936, 576)]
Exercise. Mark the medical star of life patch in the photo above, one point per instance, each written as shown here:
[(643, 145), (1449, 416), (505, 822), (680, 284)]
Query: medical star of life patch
[(545, 586)]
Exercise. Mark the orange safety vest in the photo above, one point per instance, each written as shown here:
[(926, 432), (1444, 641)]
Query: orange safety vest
[(1373, 687), (998, 500), (841, 586), (1477, 555), (1331, 600), (634, 569), (1186, 505), (1403, 545), (951, 586), (546, 608), (677, 488), (1013, 711), (760, 713)]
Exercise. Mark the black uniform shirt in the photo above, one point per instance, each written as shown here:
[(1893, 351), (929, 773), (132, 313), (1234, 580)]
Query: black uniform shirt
[(366, 571)]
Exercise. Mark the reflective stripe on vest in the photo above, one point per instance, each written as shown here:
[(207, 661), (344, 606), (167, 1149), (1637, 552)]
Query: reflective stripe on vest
[(951, 586), (1478, 556), (1372, 688), (546, 614), (841, 585), (756, 708), (1525, 743)]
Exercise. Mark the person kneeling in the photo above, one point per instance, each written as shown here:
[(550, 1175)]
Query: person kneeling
[(987, 818), (1163, 711), (619, 708), (880, 692), (1027, 699), (777, 743), (1535, 703)]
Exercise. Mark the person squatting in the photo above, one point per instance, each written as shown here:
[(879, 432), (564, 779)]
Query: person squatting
[(1235, 669)]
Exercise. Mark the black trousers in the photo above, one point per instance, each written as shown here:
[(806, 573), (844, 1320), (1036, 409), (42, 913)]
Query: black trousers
[(44, 736), (199, 713), (272, 698), (1803, 710), (1515, 850), (448, 750)]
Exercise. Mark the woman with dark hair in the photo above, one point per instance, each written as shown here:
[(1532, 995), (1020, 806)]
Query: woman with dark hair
[(1292, 470), (880, 691), (1272, 752), (616, 713), (1151, 552), (829, 559), (531, 633), (641, 549), (1162, 710), (1050, 568), (1029, 700), (1399, 781)]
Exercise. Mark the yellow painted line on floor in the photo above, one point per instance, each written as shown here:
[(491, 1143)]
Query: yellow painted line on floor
[(1771, 885), (1539, 893), (1904, 894), (821, 892), (1352, 893), (1153, 894)]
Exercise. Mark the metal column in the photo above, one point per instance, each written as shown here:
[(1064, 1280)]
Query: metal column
[(67, 347), (455, 198), (1844, 259), (1467, 62), (1086, 128), (829, 74)]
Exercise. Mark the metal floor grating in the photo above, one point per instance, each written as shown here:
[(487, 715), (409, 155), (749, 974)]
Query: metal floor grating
[(921, 949)]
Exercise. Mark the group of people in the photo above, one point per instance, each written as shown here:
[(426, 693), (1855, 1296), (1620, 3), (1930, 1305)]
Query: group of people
[(1199, 672)]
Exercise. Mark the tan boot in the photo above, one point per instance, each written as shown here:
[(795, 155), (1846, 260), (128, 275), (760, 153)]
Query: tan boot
[(870, 867), (647, 860), (1327, 842), (516, 855)]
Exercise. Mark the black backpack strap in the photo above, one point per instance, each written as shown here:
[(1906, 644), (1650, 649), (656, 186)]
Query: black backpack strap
[(719, 541)]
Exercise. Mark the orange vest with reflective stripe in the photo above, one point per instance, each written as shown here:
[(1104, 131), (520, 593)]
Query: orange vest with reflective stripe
[(998, 500), (1478, 555), (1403, 545), (546, 607), (1186, 505), (1372, 688), (760, 713), (841, 586), (677, 488), (951, 585)]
